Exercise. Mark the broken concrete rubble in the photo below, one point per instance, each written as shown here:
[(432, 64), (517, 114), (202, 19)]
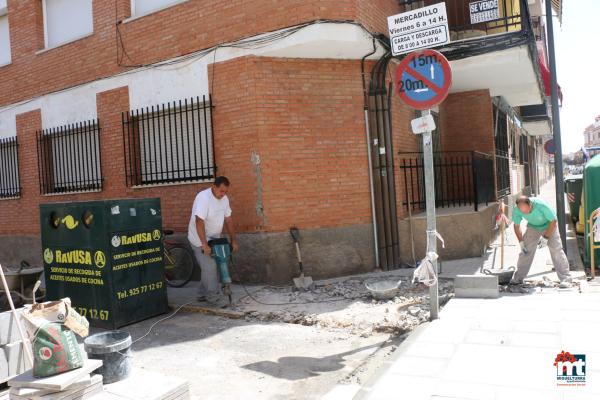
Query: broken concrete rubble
[(344, 304)]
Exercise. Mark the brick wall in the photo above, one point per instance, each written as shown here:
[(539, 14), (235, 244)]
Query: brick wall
[(178, 30), (309, 126), (467, 122), (304, 121), (21, 216), (311, 133)]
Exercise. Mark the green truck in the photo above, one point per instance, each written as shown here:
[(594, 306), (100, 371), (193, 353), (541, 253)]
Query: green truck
[(591, 201)]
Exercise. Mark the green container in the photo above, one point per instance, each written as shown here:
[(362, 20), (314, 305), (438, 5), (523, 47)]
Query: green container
[(591, 201), (573, 186), (107, 256)]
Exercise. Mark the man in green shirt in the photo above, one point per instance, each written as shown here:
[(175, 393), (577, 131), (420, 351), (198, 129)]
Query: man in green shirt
[(541, 231)]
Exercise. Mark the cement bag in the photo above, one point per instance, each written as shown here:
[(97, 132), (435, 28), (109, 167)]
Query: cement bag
[(51, 328)]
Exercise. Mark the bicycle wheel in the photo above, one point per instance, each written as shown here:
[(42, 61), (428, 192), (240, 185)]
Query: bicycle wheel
[(179, 265)]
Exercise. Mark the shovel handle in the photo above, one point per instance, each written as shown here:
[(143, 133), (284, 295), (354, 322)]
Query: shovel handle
[(299, 255)]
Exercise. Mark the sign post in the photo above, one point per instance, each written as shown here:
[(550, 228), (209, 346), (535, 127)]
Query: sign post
[(423, 80)]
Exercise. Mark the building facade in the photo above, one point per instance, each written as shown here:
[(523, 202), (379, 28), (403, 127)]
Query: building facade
[(591, 134), (292, 100)]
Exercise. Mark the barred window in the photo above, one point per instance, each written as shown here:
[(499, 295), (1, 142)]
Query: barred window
[(10, 185), (170, 143), (69, 158)]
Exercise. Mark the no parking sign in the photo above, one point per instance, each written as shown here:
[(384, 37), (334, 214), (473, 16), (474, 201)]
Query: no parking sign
[(423, 79)]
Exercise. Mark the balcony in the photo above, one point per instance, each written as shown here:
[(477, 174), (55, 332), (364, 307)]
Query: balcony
[(498, 54), (464, 25), (536, 119)]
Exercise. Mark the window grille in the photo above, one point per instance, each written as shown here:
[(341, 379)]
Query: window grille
[(69, 158), (10, 185), (169, 143)]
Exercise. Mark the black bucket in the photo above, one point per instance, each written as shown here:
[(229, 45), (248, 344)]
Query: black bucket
[(113, 348)]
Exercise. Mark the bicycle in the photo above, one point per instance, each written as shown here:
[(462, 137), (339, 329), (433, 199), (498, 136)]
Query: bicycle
[(179, 261)]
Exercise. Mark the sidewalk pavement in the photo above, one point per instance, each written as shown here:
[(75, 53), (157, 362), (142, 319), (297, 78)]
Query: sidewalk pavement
[(501, 348)]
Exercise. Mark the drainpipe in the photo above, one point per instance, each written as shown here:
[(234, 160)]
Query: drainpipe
[(558, 165), (369, 155)]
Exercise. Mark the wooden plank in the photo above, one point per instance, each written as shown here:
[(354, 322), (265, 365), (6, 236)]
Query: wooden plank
[(82, 383), (220, 312), (58, 382)]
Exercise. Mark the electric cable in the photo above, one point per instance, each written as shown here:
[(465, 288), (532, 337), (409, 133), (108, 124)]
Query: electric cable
[(161, 320)]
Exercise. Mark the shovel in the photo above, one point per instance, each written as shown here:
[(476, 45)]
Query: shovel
[(302, 282)]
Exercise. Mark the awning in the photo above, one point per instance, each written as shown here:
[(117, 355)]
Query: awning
[(545, 72)]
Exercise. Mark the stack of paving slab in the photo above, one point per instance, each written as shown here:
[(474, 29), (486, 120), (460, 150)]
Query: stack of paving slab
[(13, 360), (72, 385), (146, 385)]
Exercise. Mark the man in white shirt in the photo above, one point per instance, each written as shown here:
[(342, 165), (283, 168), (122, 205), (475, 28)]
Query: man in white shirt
[(210, 213)]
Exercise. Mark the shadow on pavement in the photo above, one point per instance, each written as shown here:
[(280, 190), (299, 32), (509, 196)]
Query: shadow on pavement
[(296, 368)]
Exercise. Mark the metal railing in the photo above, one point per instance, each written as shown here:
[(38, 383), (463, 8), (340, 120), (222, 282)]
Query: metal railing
[(462, 178), (10, 184), (69, 158), (507, 17), (169, 143), (502, 174)]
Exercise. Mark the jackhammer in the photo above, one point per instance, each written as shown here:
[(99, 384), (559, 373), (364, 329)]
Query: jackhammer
[(221, 252)]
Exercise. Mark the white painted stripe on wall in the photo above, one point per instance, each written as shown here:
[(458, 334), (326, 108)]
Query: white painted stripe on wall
[(189, 78)]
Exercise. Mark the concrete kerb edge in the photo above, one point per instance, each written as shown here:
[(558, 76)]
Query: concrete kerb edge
[(366, 389), (199, 309)]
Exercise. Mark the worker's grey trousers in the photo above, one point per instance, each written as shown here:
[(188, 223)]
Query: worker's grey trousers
[(209, 285), (559, 258)]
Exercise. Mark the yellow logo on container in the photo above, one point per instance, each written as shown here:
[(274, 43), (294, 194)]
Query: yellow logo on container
[(99, 259), (48, 256), (156, 234), (70, 222)]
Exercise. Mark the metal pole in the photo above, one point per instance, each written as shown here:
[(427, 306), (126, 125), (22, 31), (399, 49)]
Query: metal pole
[(558, 166), (434, 304), (371, 188)]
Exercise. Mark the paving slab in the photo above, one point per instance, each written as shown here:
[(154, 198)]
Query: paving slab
[(58, 382), (502, 356), (503, 348)]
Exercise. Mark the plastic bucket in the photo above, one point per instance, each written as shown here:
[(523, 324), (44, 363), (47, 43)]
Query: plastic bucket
[(113, 348)]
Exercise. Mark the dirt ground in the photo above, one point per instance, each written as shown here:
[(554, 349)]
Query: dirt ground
[(302, 345)]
